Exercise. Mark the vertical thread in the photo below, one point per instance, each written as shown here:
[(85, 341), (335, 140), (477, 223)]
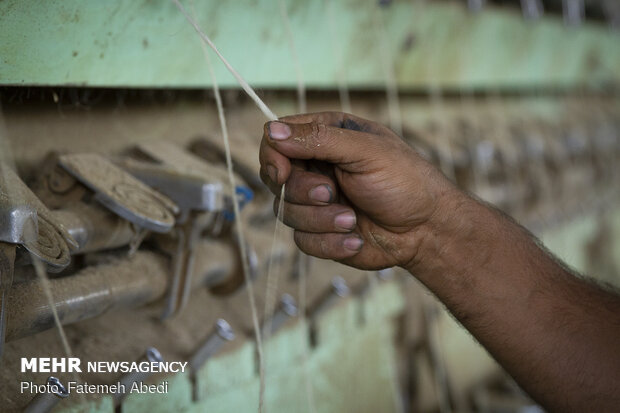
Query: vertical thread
[(337, 55), (238, 221), (246, 87), (391, 86), (42, 275), (301, 87)]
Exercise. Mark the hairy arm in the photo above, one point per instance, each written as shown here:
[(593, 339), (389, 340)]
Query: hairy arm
[(557, 334), (357, 194)]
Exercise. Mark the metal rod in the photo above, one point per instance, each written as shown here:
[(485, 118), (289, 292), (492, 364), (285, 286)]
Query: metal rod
[(126, 283), (222, 333), (45, 402), (151, 355), (339, 289), (94, 228), (286, 310)]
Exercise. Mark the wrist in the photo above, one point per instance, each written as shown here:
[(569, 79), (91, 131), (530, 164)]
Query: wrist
[(452, 239)]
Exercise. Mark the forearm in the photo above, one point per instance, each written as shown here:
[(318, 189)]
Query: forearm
[(557, 335)]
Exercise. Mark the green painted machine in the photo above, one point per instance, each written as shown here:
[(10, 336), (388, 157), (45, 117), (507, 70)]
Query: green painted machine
[(514, 103)]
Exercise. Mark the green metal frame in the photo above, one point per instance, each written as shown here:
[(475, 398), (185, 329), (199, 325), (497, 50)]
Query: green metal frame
[(128, 43)]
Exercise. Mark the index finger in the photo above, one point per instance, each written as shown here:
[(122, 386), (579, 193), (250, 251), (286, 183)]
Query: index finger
[(339, 120), (321, 142)]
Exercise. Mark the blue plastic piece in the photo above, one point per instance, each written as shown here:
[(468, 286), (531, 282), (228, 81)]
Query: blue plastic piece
[(243, 196)]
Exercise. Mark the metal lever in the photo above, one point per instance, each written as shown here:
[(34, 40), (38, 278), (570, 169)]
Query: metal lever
[(121, 193), (45, 402), (339, 289), (94, 227), (475, 6), (151, 355), (196, 187), (183, 261), (286, 310), (25, 220), (190, 191), (532, 9), (195, 195), (185, 162), (222, 333), (573, 11)]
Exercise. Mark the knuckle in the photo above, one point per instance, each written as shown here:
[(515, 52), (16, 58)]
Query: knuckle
[(319, 131)]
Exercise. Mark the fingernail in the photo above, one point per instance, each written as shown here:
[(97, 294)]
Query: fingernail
[(273, 173), (321, 193), (353, 243), (345, 220), (279, 131)]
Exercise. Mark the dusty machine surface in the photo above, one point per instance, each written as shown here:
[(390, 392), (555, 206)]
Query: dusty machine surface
[(117, 213)]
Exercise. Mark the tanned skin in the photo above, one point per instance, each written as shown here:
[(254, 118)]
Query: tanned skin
[(357, 194)]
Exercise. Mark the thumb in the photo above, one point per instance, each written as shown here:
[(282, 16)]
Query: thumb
[(319, 141)]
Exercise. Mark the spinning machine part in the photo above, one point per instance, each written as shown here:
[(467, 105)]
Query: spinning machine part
[(122, 193), (127, 282), (94, 228), (27, 222), (221, 334), (151, 355), (199, 190), (46, 402), (286, 309)]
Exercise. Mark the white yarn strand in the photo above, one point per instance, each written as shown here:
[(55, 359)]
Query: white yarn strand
[(302, 263), (301, 87), (391, 85), (336, 47), (238, 222), (246, 87)]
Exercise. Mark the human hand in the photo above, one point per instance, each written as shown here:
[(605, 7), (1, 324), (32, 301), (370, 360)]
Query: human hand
[(355, 191)]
